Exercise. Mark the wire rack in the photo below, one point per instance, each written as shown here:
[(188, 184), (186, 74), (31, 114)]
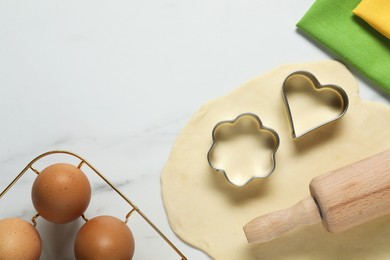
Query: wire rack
[(134, 208)]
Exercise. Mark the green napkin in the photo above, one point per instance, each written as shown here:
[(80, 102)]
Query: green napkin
[(332, 23)]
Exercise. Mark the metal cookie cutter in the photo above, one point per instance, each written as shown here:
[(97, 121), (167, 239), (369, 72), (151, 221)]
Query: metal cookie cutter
[(243, 149), (302, 83)]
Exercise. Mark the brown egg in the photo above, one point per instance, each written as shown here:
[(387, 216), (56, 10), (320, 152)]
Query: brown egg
[(61, 193), (19, 240), (104, 237)]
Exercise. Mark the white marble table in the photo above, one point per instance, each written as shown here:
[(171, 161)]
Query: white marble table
[(115, 81)]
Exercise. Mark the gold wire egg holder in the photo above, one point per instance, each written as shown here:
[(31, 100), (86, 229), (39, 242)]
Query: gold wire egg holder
[(134, 208)]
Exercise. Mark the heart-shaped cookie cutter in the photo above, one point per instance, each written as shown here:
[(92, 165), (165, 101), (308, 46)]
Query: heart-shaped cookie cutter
[(314, 83), (253, 123)]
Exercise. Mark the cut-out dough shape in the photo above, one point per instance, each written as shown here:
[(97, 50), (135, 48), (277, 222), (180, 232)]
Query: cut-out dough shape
[(309, 104), (243, 149), (209, 213)]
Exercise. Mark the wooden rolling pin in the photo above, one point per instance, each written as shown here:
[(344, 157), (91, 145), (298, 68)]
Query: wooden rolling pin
[(342, 199)]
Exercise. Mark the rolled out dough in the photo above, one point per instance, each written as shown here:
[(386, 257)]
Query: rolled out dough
[(208, 213)]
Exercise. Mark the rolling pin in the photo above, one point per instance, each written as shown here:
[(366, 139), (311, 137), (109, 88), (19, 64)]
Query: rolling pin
[(342, 199)]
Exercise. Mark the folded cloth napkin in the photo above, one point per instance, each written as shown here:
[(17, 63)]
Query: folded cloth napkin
[(376, 13), (332, 23)]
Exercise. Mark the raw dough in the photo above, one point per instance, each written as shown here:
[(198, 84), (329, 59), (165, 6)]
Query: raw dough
[(209, 213)]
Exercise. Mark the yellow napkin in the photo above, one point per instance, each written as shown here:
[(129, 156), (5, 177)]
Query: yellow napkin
[(376, 13)]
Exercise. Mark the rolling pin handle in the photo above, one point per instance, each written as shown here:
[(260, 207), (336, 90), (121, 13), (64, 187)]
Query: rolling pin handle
[(272, 225)]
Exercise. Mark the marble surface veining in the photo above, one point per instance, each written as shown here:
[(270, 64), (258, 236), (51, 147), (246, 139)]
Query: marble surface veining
[(116, 81)]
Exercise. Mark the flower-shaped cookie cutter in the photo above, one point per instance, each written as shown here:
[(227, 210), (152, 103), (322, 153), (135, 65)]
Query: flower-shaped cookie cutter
[(245, 143), (303, 81)]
